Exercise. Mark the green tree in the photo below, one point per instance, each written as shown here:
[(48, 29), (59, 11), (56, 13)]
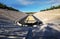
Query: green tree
[(53, 7), (3, 6)]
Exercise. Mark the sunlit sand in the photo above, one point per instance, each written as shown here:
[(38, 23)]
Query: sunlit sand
[(30, 19)]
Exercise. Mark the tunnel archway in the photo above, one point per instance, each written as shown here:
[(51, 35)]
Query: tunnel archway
[(30, 20)]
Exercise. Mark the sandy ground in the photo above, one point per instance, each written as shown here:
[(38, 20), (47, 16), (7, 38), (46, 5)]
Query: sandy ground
[(50, 28), (51, 16), (12, 15), (30, 19)]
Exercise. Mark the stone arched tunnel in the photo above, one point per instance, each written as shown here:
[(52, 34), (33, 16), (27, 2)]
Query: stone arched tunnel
[(30, 20)]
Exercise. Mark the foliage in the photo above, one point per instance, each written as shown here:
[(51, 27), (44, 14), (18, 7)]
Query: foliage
[(30, 12), (3, 6), (53, 7)]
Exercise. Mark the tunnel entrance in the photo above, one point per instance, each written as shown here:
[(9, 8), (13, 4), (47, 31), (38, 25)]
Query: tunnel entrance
[(30, 20)]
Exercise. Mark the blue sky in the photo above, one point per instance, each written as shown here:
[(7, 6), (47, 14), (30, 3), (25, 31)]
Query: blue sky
[(30, 5)]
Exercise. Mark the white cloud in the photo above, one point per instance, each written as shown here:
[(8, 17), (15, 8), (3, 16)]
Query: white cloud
[(56, 2), (25, 2), (53, 2)]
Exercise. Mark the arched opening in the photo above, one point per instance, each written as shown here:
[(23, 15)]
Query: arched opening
[(30, 21)]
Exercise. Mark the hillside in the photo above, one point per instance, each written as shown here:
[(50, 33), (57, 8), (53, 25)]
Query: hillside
[(11, 15), (3, 6), (51, 16), (51, 8)]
